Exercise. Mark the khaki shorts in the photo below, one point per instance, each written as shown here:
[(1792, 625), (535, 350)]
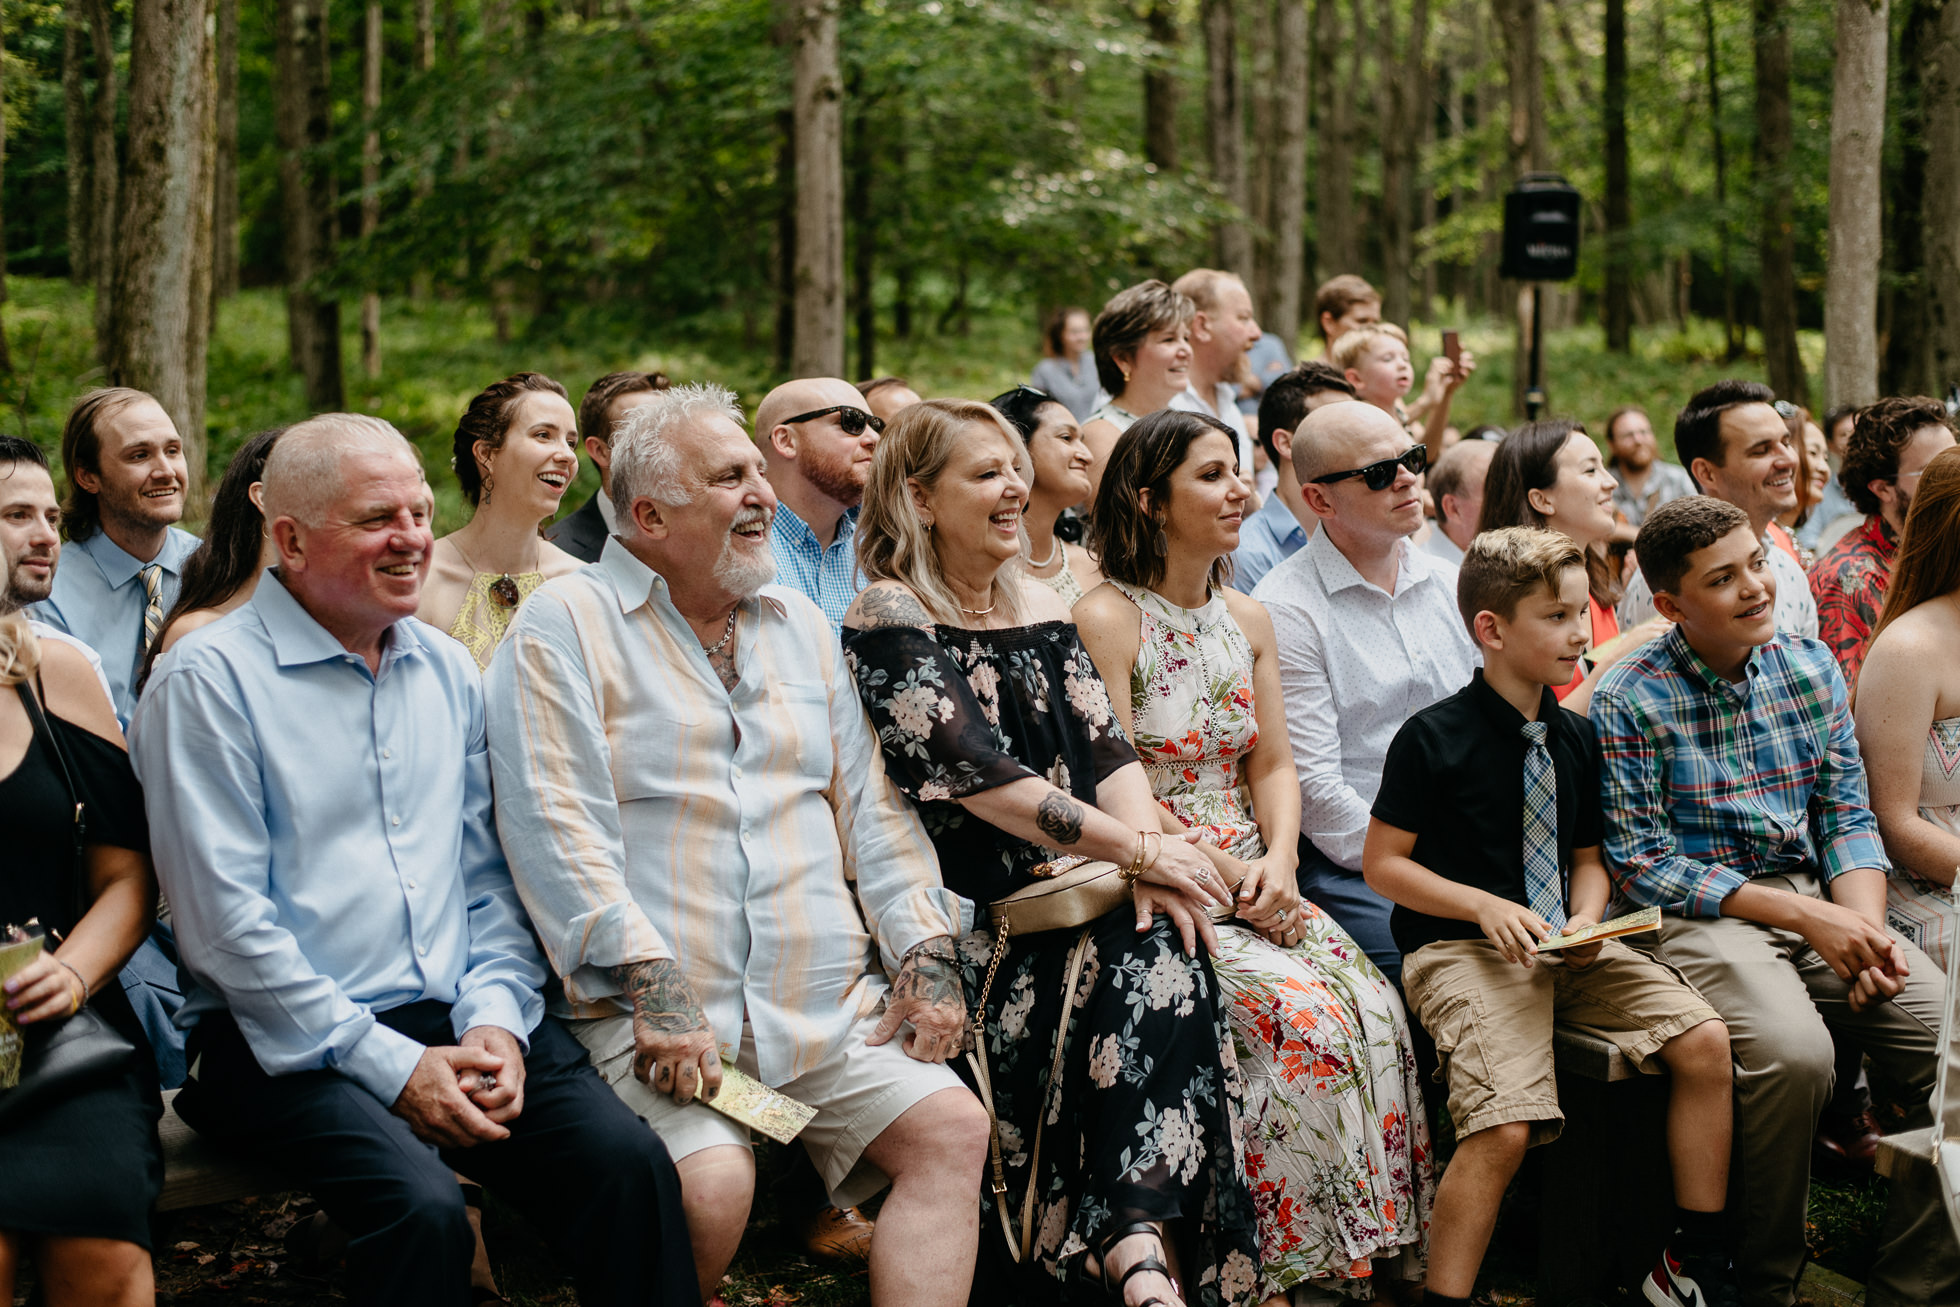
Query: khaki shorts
[(858, 1091), (1492, 1023)]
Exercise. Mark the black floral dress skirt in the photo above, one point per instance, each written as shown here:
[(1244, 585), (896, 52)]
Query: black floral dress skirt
[(1144, 1124)]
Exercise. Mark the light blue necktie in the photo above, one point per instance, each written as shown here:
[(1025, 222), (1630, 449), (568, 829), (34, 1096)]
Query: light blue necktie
[(1541, 879)]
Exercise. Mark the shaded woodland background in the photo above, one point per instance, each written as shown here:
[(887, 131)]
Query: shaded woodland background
[(833, 186)]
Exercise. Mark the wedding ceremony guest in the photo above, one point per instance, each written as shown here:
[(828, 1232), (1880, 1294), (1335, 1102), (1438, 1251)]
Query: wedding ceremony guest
[(885, 396), (1813, 475), (1224, 329), (1891, 444), (1067, 369), (1643, 479), (1835, 513), (1334, 1139), (1496, 767), (995, 724), (1908, 714), (1058, 467), (30, 526), (1549, 475), (127, 480), (1367, 633), (1737, 448), (515, 452), (582, 533), (734, 893), (83, 1165), (1142, 342), (817, 436), (1735, 802), (1456, 487), (364, 983), (1283, 522), (1340, 305), (1377, 362)]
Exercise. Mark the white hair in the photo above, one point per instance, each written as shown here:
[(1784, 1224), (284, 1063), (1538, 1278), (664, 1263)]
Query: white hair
[(303, 474), (645, 462)]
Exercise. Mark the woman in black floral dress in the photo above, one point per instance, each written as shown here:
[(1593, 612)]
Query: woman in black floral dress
[(994, 722)]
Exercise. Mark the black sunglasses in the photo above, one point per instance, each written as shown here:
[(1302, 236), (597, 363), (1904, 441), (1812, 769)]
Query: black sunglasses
[(1380, 476), (853, 420)]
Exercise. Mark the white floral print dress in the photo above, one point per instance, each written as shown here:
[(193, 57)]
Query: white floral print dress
[(1335, 1140), (1143, 1126)]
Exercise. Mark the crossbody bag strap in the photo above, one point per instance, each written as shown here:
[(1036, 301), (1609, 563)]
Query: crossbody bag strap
[(79, 826)]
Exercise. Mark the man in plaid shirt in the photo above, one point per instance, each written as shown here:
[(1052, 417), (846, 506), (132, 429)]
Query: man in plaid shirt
[(1735, 801)]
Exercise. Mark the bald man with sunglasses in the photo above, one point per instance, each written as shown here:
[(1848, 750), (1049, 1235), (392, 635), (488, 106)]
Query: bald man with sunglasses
[(817, 434), (1368, 635)]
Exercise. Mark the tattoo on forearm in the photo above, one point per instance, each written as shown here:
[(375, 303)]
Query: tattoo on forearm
[(660, 995), (1060, 818), (889, 606), (930, 975)]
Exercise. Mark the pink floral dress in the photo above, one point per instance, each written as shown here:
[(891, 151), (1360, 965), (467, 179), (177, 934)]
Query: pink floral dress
[(1333, 1133)]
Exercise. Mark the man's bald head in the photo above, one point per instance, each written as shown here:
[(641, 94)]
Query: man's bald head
[(1332, 437), (803, 395)]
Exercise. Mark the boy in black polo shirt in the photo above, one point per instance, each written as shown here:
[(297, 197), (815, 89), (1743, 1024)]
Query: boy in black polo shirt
[(1486, 837)]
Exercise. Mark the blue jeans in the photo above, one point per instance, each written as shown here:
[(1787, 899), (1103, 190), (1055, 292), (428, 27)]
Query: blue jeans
[(1345, 896), (150, 980)]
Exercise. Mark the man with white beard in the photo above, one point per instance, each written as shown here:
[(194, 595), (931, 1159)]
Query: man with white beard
[(818, 434), (698, 818)]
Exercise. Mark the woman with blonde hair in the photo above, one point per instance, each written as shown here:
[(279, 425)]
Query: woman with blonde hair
[(994, 723), (1908, 713), (1142, 340), (83, 1165), (1334, 1137)]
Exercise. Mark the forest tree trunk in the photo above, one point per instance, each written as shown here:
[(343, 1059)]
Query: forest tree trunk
[(304, 121), (104, 171), (74, 101), (1731, 338), (1336, 244), (1856, 216), (1403, 96), (163, 245), (1619, 203), (371, 180), (1526, 147), (1902, 299), (1776, 197), (817, 349), (1225, 128), (1289, 206), (1941, 89), (224, 170), (6, 359), (1160, 86), (864, 239), (1262, 89)]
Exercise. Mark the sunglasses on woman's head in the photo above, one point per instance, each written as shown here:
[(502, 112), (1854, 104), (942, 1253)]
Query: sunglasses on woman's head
[(1380, 476), (853, 420)]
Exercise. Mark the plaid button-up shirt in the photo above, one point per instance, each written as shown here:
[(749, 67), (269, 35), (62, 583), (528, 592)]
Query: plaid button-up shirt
[(1709, 783), (827, 574)]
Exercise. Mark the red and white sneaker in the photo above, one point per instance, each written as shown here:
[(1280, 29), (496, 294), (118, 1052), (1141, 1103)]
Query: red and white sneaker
[(1691, 1282)]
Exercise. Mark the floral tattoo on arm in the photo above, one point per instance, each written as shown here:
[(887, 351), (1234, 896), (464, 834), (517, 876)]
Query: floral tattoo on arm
[(890, 606), (662, 999), (1060, 818)]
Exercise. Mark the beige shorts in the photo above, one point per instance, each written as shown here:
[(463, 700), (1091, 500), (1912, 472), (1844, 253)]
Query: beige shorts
[(858, 1091), (1492, 1023)]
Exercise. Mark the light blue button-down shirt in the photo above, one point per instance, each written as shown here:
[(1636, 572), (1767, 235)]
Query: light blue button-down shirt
[(326, 839), (98, 599), (828, 575), (1269, 537)]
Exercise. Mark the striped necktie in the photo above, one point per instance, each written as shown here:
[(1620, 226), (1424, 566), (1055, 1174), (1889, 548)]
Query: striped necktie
[(1541, 875), (152, 576)]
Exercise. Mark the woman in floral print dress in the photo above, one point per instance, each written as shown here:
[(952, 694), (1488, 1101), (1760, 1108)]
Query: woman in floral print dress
[(1335, 1139), (994, 722)]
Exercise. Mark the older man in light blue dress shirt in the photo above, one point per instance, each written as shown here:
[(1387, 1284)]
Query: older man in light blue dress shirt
[(365, 983)]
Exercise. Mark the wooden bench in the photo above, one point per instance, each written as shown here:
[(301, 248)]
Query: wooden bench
[(195, 1173)]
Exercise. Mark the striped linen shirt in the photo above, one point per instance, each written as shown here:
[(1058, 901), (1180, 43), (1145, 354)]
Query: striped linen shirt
[(826, 575), (1709, 784), (754, 837)]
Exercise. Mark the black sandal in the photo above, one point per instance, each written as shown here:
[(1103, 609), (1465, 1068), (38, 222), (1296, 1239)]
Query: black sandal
[(1149, 1264)]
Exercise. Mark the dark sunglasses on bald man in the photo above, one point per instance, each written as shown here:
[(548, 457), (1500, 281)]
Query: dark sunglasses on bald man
[(853, 420), (1380, 476)]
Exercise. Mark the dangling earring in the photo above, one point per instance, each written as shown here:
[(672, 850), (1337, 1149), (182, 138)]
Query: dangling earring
[(1126, 375), (1161, 543), (489, 484)]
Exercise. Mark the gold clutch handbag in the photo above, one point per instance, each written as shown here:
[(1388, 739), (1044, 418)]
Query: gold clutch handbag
[(1069, 891)]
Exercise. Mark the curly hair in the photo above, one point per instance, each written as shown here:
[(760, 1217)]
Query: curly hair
[(1122, 533), (1881, 432), (1928, 561), (487, 422)]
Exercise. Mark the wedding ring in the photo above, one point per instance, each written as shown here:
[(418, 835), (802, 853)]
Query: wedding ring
[(485, 1082)]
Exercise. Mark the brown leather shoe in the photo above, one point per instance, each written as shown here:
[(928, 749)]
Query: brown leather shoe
[(838, 1234), (1846, 1146)]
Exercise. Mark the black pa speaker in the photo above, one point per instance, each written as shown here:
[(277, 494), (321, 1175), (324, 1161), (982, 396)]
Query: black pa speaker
[(1541, 229)]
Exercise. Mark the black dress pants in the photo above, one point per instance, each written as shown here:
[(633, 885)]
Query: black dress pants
[(578, 1162)]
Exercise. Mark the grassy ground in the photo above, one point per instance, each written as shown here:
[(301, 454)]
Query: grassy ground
[(435, 355)]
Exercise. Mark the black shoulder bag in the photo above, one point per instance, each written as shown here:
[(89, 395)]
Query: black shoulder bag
[(64, 1057)]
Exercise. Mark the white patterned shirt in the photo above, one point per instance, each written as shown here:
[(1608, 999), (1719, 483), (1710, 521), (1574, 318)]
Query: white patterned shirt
[(1355, 663)]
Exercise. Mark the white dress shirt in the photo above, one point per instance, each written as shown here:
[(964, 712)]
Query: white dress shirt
[(1796, 608), (1355, 662), (1224, 405)]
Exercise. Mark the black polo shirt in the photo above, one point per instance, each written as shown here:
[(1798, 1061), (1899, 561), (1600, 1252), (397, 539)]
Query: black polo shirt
[(1454, 778)]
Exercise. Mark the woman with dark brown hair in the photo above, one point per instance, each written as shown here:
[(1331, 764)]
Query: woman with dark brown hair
[(1908, 711), (1067, 369), (1550, 474), (1332, 1130), (516, 452)]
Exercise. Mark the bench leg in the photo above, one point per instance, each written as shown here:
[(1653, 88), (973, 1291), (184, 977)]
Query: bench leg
[(1607, 1201)]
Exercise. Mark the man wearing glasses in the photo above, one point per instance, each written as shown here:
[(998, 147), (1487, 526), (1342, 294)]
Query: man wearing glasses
[(817, 434), (1368, 635)]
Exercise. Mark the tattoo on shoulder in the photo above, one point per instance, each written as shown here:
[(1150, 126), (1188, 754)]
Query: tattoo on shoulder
[(890, 606), (1060, 818), (661, 996)]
